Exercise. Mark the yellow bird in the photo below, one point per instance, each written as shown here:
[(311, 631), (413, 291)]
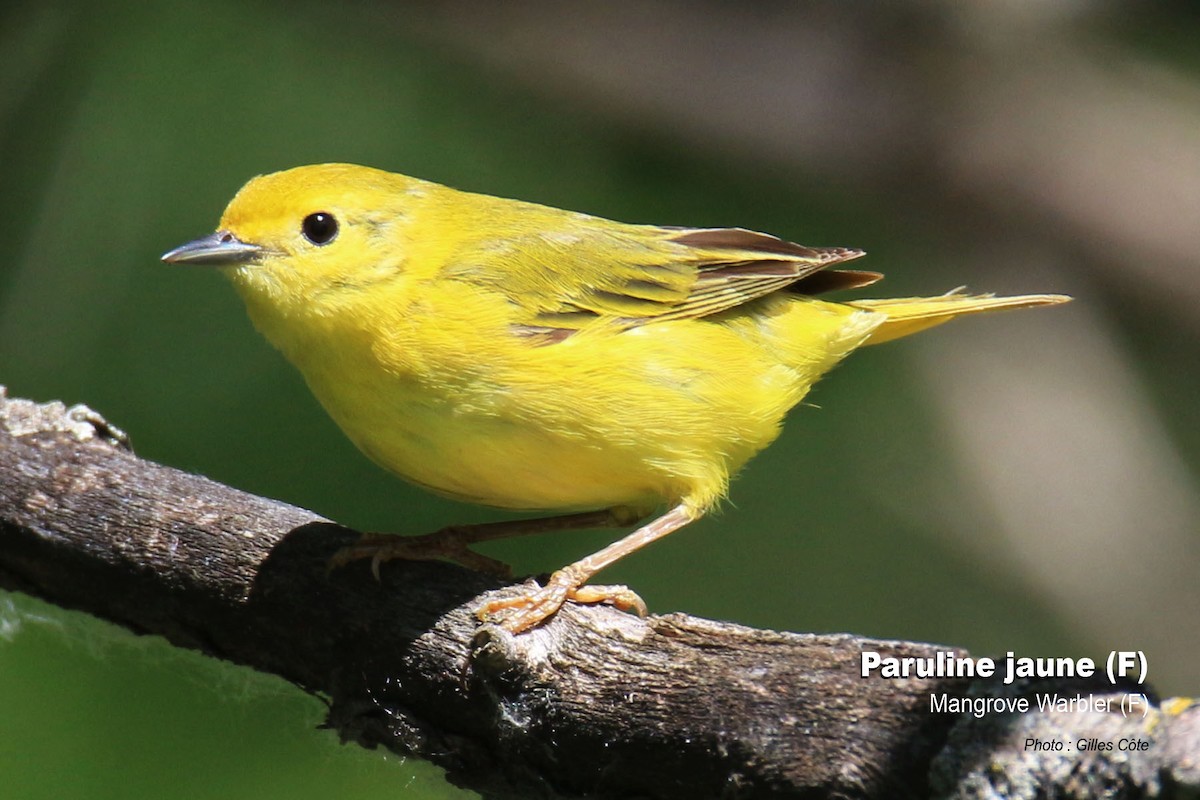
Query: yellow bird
[(525, 357)]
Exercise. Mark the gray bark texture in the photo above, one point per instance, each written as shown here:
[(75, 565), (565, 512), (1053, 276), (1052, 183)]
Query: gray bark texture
[(596, 703)]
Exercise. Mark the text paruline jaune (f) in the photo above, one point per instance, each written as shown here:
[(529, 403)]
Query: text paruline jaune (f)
[(1120, 664)]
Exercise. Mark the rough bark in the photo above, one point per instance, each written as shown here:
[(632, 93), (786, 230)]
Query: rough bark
[(596, 703)]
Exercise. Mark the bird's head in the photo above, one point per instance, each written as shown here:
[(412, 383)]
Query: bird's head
[(309, 234)]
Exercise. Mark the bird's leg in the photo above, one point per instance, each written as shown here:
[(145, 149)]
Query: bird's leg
[(453, 542), (528, 610)]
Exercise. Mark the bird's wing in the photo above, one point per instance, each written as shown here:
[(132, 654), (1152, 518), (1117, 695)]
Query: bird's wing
[(633, 274)]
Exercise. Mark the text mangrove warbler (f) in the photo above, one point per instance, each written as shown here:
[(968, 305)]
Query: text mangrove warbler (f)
[(525, 357)]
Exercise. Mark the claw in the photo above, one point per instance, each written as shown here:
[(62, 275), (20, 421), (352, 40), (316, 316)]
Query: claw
[(621, 597)]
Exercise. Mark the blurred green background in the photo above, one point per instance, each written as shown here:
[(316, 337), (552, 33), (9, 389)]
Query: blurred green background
[(1026, 482)]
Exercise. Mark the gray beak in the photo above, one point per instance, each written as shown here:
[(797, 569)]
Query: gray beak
[(216, 249)]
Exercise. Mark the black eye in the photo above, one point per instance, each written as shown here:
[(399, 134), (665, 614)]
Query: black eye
[(320, 228)]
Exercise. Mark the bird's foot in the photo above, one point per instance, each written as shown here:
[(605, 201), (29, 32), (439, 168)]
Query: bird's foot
[(524, 611), (448, 543)]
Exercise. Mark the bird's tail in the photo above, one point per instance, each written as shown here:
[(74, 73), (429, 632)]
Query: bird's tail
[(907, 315)]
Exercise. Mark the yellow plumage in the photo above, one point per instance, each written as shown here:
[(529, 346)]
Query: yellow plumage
[(525, 357)]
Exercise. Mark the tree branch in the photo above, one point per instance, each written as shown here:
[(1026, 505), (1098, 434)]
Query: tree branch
[(595, 703)]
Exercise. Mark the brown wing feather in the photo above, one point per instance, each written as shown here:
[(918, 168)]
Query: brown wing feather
[(834, 280), (761, 243), (735, 266)]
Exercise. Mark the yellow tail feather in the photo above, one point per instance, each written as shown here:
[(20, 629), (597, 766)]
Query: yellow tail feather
[(912, 314)]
